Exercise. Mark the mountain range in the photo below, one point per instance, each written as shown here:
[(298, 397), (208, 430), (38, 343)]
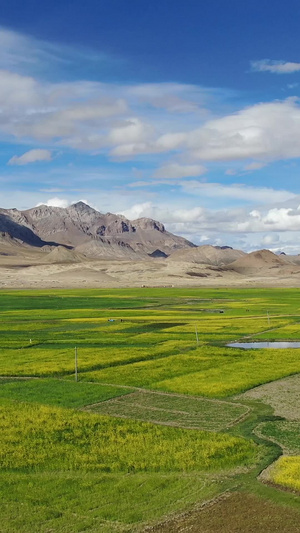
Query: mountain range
[(79, 246), (85, 230)]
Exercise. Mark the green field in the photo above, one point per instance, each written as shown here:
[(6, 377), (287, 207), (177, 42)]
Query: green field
[(156, 423), (173, 410)]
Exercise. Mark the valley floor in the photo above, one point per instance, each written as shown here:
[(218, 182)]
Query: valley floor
[(26, 274), (167, 429)]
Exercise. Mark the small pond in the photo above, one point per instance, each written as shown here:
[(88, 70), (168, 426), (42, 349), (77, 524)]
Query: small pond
[(275, 345)]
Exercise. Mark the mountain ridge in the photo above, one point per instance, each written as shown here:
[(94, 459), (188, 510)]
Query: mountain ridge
[(81, 226)]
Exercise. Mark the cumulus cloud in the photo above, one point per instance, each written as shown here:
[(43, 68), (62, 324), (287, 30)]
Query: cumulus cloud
[(268, 131), (186, 221), (145, 209), (55, 202), (200, 224), (18, 92), (174, 170), (63, 202), (76, 114), (275, 219), (32, 156), (126, 121), (128, 136), (93, 116), (275, 67)]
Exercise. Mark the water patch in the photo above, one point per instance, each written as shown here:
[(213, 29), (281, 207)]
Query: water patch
[(256, 345)]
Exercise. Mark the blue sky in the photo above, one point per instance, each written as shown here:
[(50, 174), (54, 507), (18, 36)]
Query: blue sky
[(187, 112)]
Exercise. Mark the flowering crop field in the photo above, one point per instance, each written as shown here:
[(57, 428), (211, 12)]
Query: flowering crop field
[(286, 472), (152, 425), (48, 438)]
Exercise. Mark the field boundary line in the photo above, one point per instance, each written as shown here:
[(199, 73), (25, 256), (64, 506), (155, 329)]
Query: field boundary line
[(118, 399), (172, 394), (258, 433), (195, 508)]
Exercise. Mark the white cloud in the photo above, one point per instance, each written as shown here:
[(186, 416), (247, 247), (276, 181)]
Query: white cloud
[(52, 190), (18, 92), (93, 116), (275, 67), (32, 156), (231, 172), (126, 121), (130, 131), (63, 202), (270, 239), (175, 97), (256, 165), (275, 219), (145, 209), (237, 192), (238, 227), (55, 202), (268, 130), (226, 194), (27, 54), (170, 141), (174, 170)]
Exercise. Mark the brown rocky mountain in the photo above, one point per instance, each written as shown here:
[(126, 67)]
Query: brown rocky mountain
[(89, 232), (83, 244), (260, 260), (207, 254), (80, 247)]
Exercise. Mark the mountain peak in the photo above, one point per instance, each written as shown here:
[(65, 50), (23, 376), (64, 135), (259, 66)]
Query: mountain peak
[(79, 224), (81, 206)]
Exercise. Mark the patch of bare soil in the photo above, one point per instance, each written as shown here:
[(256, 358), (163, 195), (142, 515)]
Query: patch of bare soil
[(236, 513), (283, 395)]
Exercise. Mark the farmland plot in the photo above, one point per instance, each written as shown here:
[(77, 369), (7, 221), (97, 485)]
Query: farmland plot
[(174, 410)]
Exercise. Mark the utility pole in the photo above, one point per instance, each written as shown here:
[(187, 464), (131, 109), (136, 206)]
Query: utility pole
[(268, 318), (76, 366), (197, 339)]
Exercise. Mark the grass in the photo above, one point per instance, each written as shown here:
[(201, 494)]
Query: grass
[(284, 433), (72, 502), (57, 392)]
